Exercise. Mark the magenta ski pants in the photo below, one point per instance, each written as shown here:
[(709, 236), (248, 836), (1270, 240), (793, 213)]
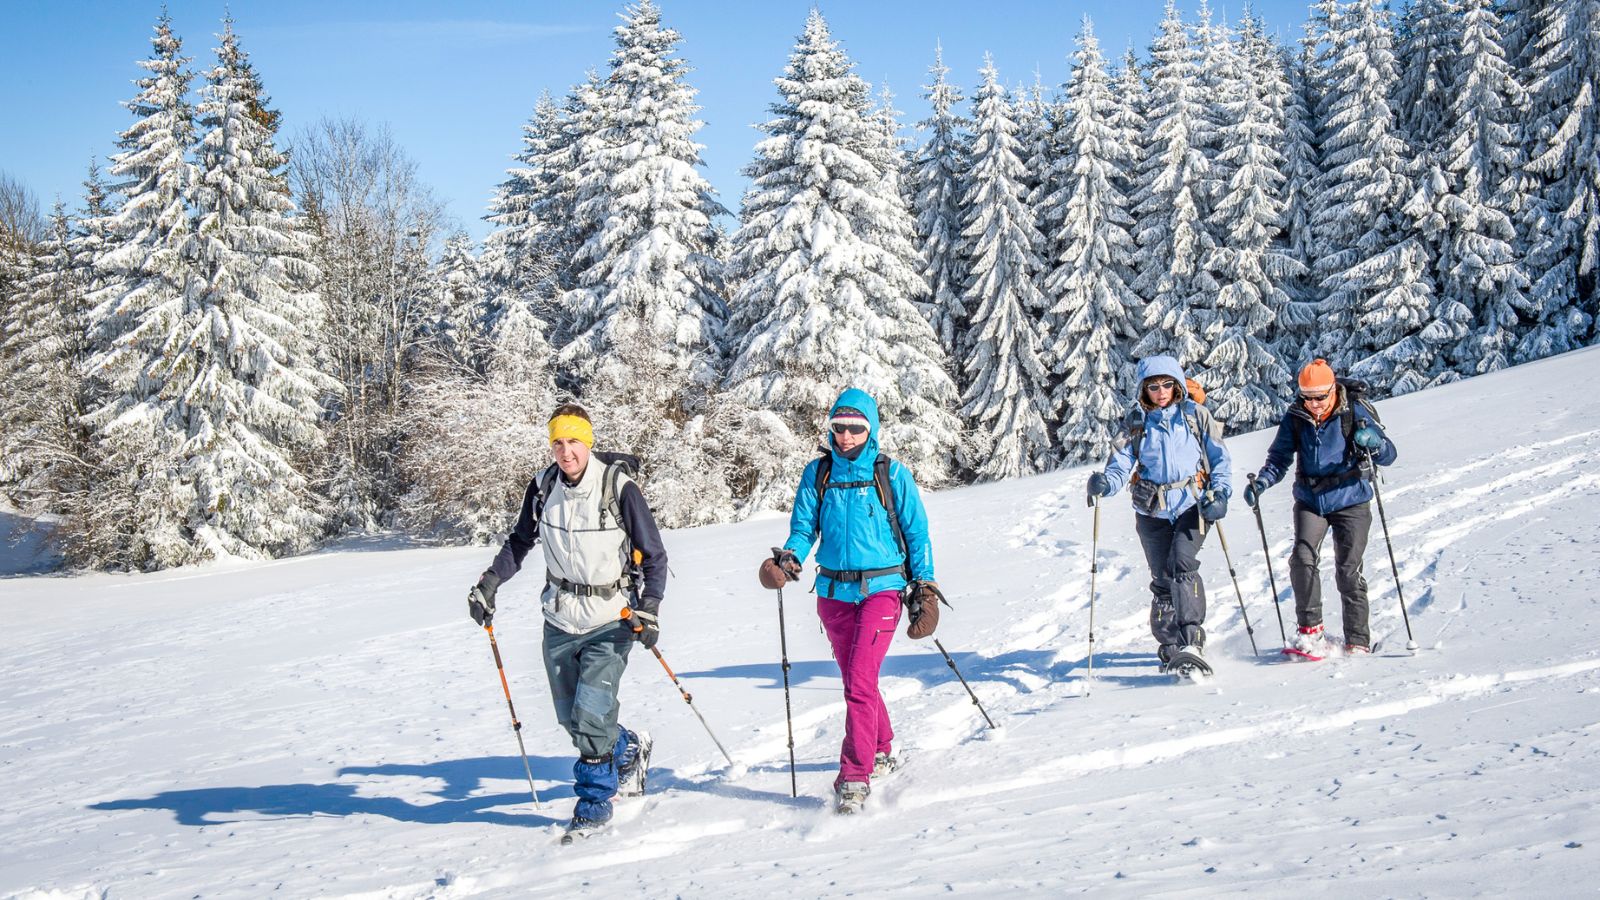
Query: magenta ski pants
[(860, 635)]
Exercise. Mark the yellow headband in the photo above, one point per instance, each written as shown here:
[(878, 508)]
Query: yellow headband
[(572, 427)]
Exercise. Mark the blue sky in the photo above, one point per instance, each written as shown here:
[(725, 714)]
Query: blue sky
[(455, 82)]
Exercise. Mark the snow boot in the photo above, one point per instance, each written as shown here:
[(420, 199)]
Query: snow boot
[(1189, 662), (1165, 652), (581, 827), (850, 797), (1309, 643), (1357, 650), (633, 766), (884, 764)]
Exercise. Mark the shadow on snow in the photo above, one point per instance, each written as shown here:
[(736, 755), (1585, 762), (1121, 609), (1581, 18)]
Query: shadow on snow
[(459, 800)]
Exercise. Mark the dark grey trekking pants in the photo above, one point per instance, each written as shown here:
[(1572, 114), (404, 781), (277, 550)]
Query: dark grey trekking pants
[(1350, 526), (585, 673), (1178, 596)]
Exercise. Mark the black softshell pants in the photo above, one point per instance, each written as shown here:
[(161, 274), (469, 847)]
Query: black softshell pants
[(1350, 527), (1178, 596)]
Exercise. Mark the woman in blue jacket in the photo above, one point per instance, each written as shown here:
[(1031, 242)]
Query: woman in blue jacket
[(1332, 435), (861, 570), (1174, 458)]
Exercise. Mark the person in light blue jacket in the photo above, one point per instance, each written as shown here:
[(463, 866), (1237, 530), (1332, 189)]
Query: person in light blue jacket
[(862, 570), (1180, 478)]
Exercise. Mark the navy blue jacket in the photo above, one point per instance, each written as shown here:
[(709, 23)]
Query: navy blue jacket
[(1323, 455)]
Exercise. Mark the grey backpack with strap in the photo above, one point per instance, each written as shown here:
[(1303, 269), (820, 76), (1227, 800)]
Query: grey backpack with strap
[(617, 465)]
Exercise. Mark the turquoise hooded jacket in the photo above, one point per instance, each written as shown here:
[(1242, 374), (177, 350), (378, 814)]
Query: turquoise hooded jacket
[(851, 525)]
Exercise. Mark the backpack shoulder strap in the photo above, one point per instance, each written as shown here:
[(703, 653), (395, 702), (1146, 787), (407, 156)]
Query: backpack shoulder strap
[(880, 475), (547, 483), (823, 473), (610, 501), (1201, 424)]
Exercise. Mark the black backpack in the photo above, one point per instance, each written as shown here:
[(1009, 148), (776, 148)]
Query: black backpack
[(1355, 393)]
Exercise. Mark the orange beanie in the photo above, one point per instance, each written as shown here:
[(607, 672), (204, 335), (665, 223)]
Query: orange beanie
[(1316, 377)]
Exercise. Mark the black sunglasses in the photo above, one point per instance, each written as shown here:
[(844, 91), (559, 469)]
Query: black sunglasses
[(847, 428), (1165, 385)]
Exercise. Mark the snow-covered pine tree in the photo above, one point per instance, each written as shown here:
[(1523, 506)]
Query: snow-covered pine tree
[(1006, 398), (937, 172), (1093, 311), (1034, 117), (230, 368), (1297, 324), (45, 348), (1219, 74), (896, 161), (1374, 270), (1427, 56), (1482, 160), (140, 518), (459, 338), (1170, 204), (519, 256), (1562, 222), (570, 158), (827, 267), (648, 314), (1243, 374), (1128, 119)]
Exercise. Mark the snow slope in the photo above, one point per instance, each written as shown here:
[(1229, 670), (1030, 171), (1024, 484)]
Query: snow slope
[(332, 725)]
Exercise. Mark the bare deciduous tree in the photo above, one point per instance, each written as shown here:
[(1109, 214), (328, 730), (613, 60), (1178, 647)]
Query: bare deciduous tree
[(375, 223)]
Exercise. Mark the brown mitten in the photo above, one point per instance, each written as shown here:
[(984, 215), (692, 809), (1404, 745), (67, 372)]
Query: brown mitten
[(922, 609)]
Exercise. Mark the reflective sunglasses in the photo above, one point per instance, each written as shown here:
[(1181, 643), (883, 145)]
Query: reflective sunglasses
[(1317, 398), (1163, 385), (848, 428)]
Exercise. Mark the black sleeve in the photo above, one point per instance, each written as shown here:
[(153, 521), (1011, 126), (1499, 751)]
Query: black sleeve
[(646, 537), (522, 538)]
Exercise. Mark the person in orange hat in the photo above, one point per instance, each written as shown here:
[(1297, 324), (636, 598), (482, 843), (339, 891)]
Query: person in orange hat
[(1335, 436)]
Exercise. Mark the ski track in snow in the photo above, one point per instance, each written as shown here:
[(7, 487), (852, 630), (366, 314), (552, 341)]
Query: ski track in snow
[(328, 726)]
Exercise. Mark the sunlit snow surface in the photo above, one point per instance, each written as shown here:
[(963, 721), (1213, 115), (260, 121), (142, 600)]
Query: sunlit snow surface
[(332, 725)]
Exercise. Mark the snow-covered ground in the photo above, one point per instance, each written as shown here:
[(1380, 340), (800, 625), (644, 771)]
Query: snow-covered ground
[(332, 725)]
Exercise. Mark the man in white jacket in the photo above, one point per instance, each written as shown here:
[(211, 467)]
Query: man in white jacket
[(606, 572)]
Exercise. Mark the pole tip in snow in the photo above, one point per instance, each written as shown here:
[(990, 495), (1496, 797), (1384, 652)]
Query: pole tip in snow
[(1412, 646)]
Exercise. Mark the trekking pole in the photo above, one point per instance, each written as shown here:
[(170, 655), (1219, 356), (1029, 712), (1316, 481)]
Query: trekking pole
[(952, 664), (1411, 642), (1094, 570), (1267, 552), (1240, 594), (516, 726), (788, 713), (687, 697)]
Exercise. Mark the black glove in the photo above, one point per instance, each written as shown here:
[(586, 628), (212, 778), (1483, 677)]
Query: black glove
[(1252, 492), (1097, 486), (646, 627), (480, 600), (1214, 507)]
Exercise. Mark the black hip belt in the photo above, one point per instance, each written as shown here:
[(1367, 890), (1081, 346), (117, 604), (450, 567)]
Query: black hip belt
[(588, 590), (861, 575), (1319, 483)]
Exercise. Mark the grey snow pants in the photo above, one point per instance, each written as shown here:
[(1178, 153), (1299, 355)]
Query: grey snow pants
[(585, 674), (1177, 595), (1350, 527)]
